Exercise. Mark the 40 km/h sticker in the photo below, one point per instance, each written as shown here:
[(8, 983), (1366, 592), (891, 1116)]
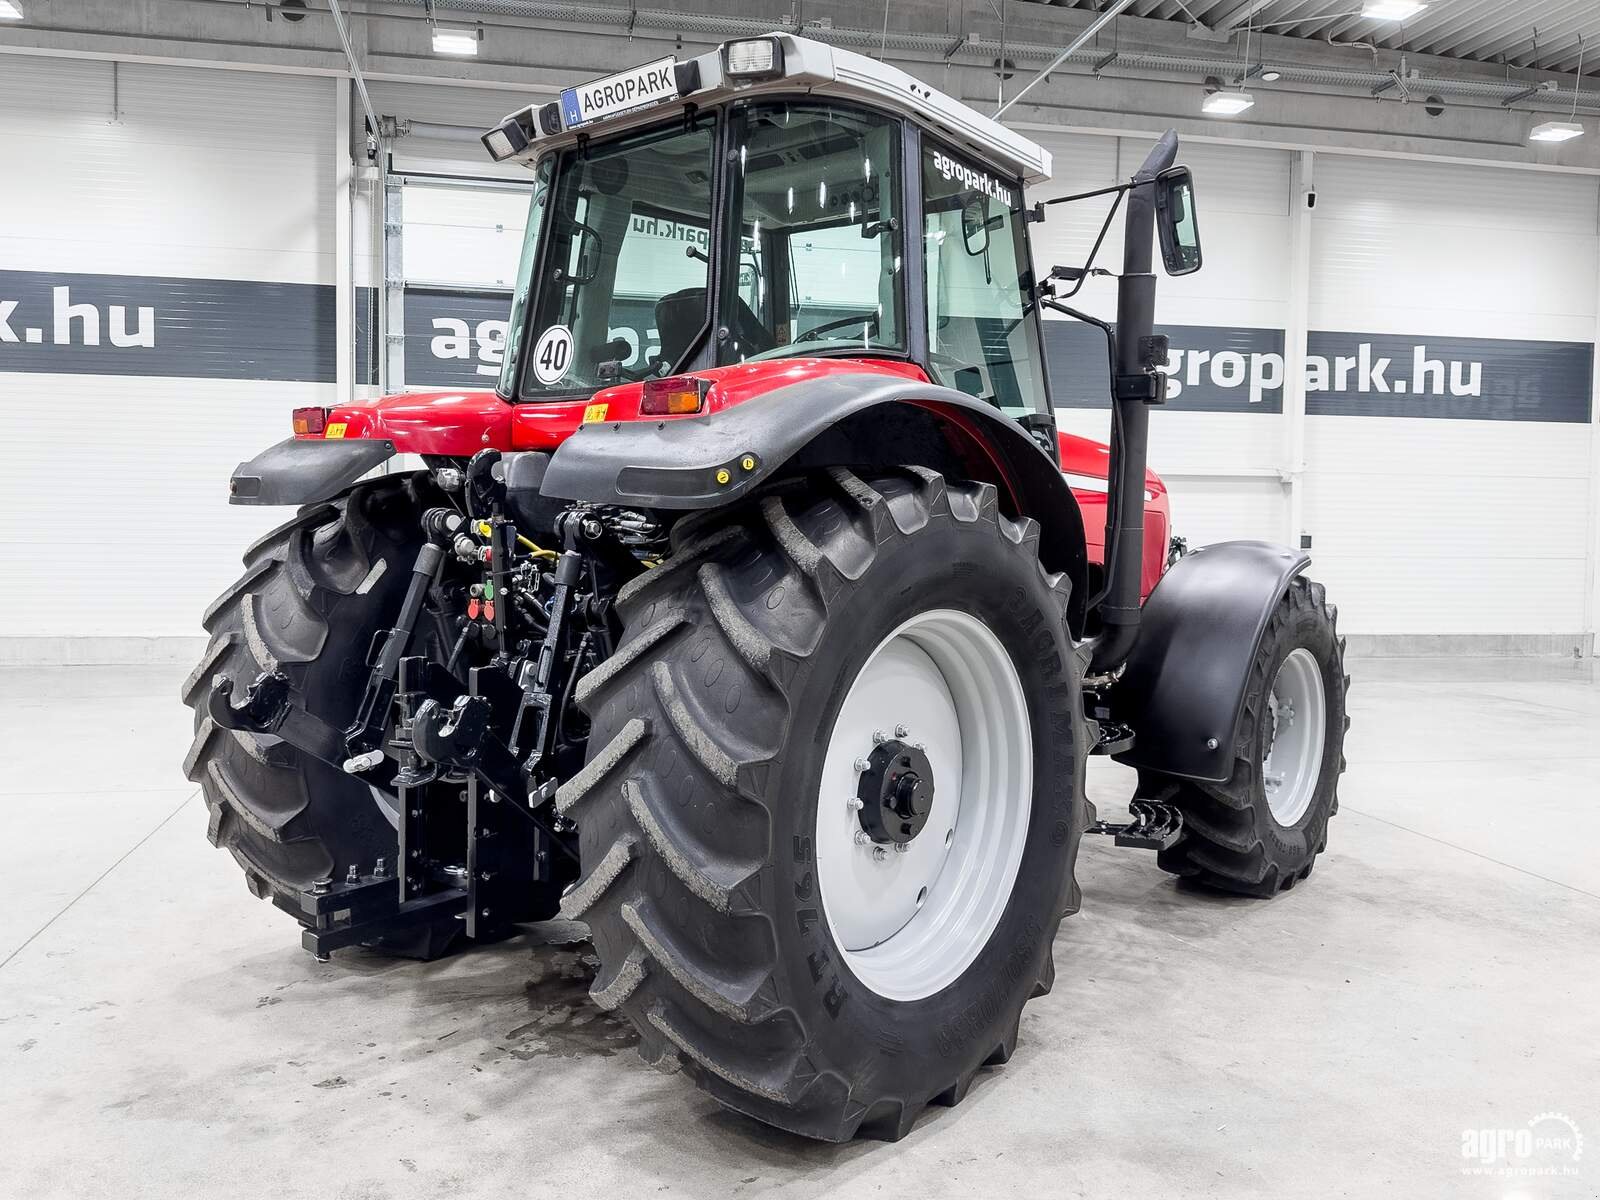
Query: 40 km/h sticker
[(552, 354)]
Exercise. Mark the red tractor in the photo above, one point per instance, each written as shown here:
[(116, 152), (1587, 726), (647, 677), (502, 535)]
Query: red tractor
[(761, 618)]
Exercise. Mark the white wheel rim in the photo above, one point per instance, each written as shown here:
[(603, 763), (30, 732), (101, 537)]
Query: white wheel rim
[(1292, 763), (908, 923)]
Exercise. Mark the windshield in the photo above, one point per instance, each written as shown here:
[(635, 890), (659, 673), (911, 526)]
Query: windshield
[(623, 290), (525, 268), (820, 261)]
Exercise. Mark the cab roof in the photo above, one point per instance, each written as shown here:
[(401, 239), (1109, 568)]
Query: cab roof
[(800, 66)]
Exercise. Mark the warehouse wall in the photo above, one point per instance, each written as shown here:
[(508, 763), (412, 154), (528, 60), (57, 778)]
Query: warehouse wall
[(184, 214), (1449, 442), (1443, 523), (208, 198)]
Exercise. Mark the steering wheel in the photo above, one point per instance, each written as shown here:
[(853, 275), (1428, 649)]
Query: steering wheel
[(811, 335)]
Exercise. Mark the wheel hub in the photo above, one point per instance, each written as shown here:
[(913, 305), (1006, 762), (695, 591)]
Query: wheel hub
[(896, 792), (910, 915), (1292, 758)]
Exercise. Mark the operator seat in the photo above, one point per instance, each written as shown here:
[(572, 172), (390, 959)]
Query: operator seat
[(681, 315)]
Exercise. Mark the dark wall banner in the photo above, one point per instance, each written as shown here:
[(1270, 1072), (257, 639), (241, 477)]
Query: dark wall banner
[(155, 325), (243, 329), (1212, 368), (1216, 369), (454, 338), (1464, 379)]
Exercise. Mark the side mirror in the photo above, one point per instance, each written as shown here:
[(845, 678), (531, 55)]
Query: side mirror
[(1176, 222), (975, 225)]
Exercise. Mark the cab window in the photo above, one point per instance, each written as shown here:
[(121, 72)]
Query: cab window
[(816, 189), (983, 338)]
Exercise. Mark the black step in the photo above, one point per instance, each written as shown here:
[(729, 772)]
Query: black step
[(1155, 826)]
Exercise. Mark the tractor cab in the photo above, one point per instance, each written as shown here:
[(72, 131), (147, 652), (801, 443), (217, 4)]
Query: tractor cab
[(772, 200)]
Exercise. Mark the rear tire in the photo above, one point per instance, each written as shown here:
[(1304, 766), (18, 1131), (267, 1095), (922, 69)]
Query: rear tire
[(698, 807), (1246, 837), (314, 592)]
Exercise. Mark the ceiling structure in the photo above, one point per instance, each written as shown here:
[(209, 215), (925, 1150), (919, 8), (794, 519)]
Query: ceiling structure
[(1459, 80), (1544, 34)]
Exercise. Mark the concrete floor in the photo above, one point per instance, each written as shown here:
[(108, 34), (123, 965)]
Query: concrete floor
[(162, 1034)]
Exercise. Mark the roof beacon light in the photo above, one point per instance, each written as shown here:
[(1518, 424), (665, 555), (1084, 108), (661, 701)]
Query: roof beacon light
[(753, 58)]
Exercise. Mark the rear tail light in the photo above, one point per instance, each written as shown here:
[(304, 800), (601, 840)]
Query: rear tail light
[(674, 397), (310, 420)]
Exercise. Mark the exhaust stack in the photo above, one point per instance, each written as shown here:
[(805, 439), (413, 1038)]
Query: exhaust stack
[(1137, 384)]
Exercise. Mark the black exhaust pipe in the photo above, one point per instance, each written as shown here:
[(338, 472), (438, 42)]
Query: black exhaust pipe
[(1135, 386)]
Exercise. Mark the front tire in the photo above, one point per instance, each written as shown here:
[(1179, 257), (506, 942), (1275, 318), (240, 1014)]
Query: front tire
[(1259, 833), (707, 811)]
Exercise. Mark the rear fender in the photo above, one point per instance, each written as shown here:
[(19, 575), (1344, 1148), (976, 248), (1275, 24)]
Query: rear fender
[(856, 419), (305, 470), (1183, 690)]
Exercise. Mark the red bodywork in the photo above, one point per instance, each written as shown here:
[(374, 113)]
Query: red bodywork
[(459, 424)]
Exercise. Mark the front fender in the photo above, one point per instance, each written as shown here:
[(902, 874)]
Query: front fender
[(1183, 690), (849, 419), (305, 470)]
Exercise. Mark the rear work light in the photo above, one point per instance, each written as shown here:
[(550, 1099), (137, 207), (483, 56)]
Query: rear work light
[(310, 420), (752, 58), (506, 139), (674, 397)]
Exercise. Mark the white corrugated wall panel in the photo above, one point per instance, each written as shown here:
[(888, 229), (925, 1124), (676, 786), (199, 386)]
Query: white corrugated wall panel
[(1243, 205), (1436, 525), (468, 237), (1452, 250), (209, 174), (194, 172)]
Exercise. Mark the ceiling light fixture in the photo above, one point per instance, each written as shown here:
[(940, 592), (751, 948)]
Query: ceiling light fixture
[(1227, 104), (10, 10), (1555, 131), (1563, 131), (1392, 10), (455, 41), (1271, 76)]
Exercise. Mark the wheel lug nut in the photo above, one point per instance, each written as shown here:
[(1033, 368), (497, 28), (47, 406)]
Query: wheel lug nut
[(861, 837), (879, 854), (902, 847), (879, 737), (901, 731), (863, 765), (854, 804)]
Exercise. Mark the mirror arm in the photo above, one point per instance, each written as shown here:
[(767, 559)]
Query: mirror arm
[(1083, 272), (1105, 191)]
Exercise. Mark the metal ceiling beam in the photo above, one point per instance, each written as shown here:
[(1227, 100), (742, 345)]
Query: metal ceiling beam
[(1076, 44), (1238, 16)]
